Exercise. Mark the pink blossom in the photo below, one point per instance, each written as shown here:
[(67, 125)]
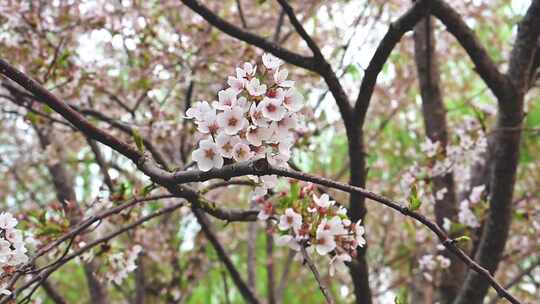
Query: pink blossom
[(272, 109), (207, 156)]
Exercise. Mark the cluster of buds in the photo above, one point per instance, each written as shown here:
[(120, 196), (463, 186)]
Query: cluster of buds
[(12, 248), (253, 118), (317, 223)]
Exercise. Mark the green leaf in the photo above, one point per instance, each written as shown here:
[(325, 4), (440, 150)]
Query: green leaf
[(352, 70), (414, 200), (147, 189), (138, 139), (402, 297), (30, 116), (462, 238)]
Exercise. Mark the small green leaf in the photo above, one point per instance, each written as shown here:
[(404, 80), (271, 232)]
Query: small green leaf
[(352, 70), (462, 238), (402, 297), (138, 139), (147, 189), (32, 117), (414, 200)]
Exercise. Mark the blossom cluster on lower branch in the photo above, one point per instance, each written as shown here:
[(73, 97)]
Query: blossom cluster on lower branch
[(12, 249), (316, 222)]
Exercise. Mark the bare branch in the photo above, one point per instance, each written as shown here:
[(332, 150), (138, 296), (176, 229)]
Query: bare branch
[(317, 276), (234, 31), (244, 289), (396, 30), (484, 65), (301, 31)]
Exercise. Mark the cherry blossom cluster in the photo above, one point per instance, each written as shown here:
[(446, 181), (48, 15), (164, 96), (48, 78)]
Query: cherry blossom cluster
[(254, 117), (459, 157), (317, 223), (122, 264), (428, 263), (12, 248)]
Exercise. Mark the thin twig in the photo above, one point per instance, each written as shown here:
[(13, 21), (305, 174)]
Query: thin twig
[(317, 276)]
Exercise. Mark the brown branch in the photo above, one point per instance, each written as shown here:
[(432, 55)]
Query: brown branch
[(76, 230), (434, 115), (300, 30), (313, 268), (316, 64), (234, 31), (504, 158), (244, 289), (252, 251), (517, 279), (525, 47), (52, 293), (284, 278), (67, 112), (396, 30), (279, 25), (241, 13), (40, 277), (270, 274), (261, 167), (484, 65), (103, 166)]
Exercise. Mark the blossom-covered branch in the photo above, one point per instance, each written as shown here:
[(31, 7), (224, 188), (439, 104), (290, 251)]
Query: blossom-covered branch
[(43, 275), (271, 108)]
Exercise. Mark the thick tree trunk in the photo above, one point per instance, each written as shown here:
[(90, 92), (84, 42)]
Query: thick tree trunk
[(434, 114)]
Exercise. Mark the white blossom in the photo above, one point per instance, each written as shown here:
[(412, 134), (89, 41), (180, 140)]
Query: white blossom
[(323, 201), (272, 109), (226, 99), (325, 242), (226, 143), (232, 121), (280, 77), (255, 88), (271, 62), (207, 156), (292, 100), (429, 147), (290, 220), (466, 216), (241, 152)]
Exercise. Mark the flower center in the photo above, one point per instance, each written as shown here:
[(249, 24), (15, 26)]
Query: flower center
[(257, 115), (227, 146), (271, 93), (233, 121), (240, 153), (271, 107), (209, 153)]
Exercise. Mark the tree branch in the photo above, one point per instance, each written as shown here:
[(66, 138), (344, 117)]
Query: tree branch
[(396, 30), (484, 65), (300, 30), (504, 159), (43, 275), (244, 289), (434, 115), (317, 276), (234, 31)]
